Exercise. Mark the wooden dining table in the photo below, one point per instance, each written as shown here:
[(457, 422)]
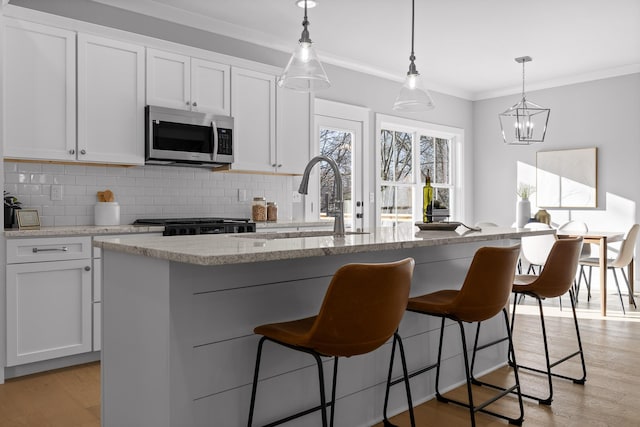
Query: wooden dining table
[(602, 238)]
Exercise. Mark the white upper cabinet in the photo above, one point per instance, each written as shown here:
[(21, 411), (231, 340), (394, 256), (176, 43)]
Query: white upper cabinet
[(293, 131), (183, 82), (110, 101), (272, 126), (253, 107), (39, 92), (210, 87)]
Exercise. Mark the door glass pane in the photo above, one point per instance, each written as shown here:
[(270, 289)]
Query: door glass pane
[(338, 145)]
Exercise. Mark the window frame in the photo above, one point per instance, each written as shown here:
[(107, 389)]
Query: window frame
[(420, 128)]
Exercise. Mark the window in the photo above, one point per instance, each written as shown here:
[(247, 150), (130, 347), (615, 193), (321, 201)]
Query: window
[(407, 150)]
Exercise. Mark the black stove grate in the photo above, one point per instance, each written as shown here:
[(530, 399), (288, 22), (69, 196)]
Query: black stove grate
[(193, 226)]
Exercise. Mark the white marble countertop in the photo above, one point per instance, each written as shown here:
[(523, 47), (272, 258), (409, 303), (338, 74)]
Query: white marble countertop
[(258, 247), (82, 230)]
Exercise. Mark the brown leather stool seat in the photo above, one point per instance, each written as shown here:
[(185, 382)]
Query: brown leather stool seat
[(484, 293), (361, 310), (556, 279)]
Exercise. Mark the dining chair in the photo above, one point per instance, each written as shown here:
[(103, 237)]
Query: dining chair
[(361, 310), (535, 249), (578, 227), (622, 261), (555, 280)]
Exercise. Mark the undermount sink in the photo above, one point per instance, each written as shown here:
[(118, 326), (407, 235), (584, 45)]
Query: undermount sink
[(293, 234)]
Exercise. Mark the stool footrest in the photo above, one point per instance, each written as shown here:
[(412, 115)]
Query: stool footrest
[(480, 407), (553, 374), (492, 343), (297, 415)]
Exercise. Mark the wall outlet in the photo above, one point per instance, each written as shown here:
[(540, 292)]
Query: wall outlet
[(56, 192), (242, 195), (296, 197)]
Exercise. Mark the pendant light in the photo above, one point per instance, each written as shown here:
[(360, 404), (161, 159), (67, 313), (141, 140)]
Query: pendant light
[(524, 123), (304, 71), (413, 96)]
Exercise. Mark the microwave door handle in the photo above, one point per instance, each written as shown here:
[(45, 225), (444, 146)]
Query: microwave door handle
[(214, 141)]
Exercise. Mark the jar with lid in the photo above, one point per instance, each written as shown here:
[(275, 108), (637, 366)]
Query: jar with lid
[(272, 211), (259, 209)]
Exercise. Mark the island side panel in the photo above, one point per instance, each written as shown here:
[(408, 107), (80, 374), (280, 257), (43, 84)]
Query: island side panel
[(229, 301), (135, 341)]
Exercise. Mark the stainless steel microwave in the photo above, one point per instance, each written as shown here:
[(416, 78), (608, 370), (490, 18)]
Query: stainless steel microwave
[(187, 138)]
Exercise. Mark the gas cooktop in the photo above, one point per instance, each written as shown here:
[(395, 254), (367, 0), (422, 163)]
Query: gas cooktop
[(192, 226)]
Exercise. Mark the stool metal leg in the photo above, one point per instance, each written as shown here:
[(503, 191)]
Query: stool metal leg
[(255, 381), (323, 403), (549, 365), (615, 277), (405, 379)]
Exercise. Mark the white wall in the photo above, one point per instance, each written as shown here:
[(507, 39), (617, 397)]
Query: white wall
[(602, 113)]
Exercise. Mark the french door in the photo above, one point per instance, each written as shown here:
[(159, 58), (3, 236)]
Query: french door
[(339, 135)]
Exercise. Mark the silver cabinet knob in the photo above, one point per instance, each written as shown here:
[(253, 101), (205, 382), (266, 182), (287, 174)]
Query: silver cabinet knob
[(188, 103), (279, 165), (72, 151), (87, 268), (195, 104), (83, 151)]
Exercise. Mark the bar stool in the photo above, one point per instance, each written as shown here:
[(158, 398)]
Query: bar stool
[(484, 293), (555, 279), (362, 309)]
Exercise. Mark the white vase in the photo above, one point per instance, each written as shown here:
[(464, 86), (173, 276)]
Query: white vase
[(523, 212)]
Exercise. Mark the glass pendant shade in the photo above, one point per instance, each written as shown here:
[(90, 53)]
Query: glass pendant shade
[(413, 96), (524, 123), (304, 72)]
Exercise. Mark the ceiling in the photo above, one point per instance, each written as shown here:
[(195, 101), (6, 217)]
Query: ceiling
[(464, 48)]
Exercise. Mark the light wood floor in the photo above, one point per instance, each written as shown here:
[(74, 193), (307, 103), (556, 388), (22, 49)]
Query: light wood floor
[(71, 397)]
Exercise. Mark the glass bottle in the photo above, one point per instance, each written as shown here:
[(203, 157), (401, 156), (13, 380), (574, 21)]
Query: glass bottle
[(427, 200), (259, 209)]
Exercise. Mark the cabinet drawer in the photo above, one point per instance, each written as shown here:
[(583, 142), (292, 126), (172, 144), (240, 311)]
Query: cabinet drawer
[(48, 249)]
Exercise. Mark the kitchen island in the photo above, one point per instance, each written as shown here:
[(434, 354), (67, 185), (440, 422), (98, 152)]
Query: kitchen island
[(178, 317)]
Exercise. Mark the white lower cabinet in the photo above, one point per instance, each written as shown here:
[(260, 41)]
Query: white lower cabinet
[(49, 298)]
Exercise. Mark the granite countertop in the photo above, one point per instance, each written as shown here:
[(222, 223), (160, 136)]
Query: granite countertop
[(96, 230), (258, 247), (82, 230)]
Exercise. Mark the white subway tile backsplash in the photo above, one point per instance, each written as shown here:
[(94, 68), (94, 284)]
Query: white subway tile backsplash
[(149, 191)]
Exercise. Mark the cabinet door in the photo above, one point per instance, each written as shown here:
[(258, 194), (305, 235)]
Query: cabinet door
[(210, 87), (110, 101), (39, 92), (168, 79), (293, 131), (48, 310), (253, 108)]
